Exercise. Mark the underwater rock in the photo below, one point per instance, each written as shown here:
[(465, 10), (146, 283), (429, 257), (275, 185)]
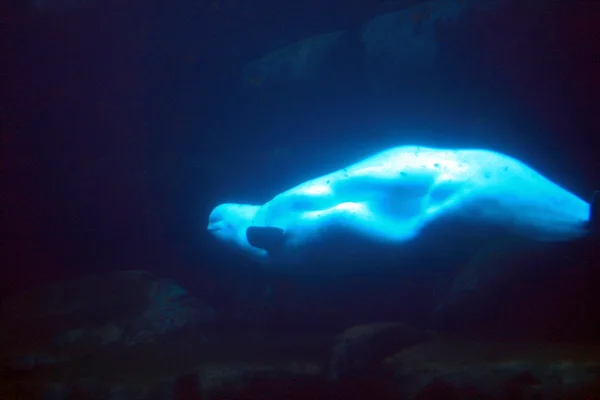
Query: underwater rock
[(360, 349), (407, 38), (517, 288), (243, 366), (495, 261), (403, 39), (248, 381), (59, 321), (395, 196), (469, 370), (235, 366), (208, 382), (492, 270), (298, 62)]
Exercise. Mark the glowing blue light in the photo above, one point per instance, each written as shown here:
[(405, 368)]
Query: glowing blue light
[(393, 195)]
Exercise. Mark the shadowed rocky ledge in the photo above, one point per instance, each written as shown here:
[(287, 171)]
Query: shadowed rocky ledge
[(123, 345)]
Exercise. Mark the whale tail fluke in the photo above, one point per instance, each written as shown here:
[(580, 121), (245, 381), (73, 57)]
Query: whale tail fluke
[(594, 221)]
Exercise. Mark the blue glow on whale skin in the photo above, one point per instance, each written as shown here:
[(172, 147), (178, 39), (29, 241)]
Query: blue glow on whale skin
[(228, 223), (392, 196)]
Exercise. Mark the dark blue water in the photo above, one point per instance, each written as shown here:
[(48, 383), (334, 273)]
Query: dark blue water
[(124, 123)]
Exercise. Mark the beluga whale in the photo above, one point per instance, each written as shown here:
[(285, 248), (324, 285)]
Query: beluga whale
[(393, 197)]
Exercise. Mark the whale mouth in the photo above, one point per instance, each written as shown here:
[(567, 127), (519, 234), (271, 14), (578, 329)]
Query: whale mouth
[(213, 228)]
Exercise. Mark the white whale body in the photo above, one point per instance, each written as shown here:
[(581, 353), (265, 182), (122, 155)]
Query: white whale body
[(392, 196)]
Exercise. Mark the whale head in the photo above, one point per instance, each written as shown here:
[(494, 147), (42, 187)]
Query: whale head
[(228, 223)]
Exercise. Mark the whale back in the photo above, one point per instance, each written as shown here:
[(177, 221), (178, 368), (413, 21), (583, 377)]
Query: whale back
[(392, 195), (395, 196)]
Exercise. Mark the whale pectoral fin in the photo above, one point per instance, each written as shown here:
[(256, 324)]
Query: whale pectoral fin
[(265, 237)]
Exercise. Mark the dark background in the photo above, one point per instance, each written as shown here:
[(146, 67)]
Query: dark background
[(124, 122)]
